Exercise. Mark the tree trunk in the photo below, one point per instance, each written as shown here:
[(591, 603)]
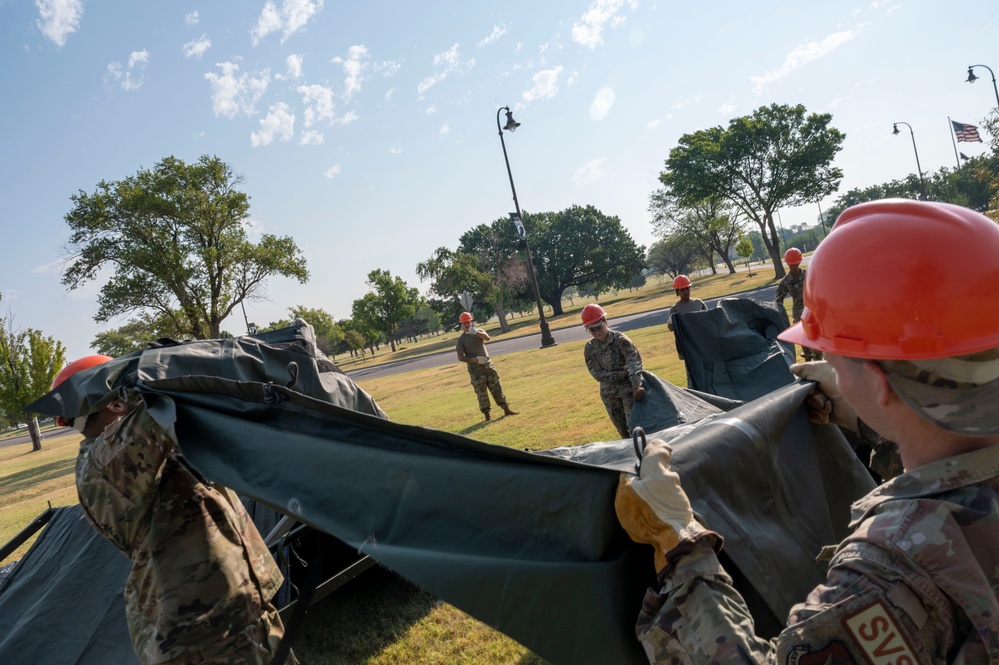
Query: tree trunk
[(770, 239), (728, 262), (34, 431), (501, 315)]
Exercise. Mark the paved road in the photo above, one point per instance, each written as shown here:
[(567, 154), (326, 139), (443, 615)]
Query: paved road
[(25, 438), (525, 342)]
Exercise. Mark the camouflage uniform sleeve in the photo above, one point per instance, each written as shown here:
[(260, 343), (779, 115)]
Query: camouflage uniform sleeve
[(782, 291), (864, 608), (596, 369), (698, 617), (632, 360), (117, 474)]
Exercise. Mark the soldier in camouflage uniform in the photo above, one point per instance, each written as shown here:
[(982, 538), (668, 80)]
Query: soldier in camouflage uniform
[(613, 360), (202, 579), (917, 580), (471, 350), (793, 284)]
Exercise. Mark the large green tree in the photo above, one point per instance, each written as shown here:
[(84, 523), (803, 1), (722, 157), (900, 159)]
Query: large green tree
[(136, 334), (389, 302), (581, 246), (708, 221), (328, 333), (176, 240), (29, 361), (778, 156)]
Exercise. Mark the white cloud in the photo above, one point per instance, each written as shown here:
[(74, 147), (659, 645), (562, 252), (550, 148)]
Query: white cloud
[(387, 68), (353, 66), (294, 65), (254, 229), (58, 19), (130, 77), (232, 95), (278, 123), (497, 32), (727, 108), (432, 110), (652, 124), (192, 18), (452, 62), (138, 57), (56, 266), (588, 30), (602, 103), (395, 151), (318, 104), (289, 18), (545, 84), (197, 47), (589, 173), (332, 172), (801, 55), (312, 137), (445, 130)]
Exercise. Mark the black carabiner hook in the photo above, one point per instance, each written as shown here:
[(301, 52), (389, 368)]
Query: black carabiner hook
[(638, 434)]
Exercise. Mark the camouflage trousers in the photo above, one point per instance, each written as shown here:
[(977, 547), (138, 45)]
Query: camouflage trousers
[(254, 645), (618, 400), (486, 380)]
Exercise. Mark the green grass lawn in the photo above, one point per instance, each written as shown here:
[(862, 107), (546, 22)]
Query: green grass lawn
[(380, 618)]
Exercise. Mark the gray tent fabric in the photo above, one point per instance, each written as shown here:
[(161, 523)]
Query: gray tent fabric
[(62, 603), (733, 351), (775, 486), (525, 542)]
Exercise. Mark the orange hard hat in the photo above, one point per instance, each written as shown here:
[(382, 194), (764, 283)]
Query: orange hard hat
[(78, 365), (792, 256), (592, 313), (86, 362), (681, 282), (466, 317), (932, 296)]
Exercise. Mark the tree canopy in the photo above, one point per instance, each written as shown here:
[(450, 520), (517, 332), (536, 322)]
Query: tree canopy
[(176, 240), (714, 227), (389, 302), (29, 362), (778, 156), (581, 246)]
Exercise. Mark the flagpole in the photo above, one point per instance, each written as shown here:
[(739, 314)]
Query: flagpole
[(954, 141)]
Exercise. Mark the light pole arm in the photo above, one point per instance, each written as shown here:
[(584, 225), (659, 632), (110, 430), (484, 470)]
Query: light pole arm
[(994, 88)]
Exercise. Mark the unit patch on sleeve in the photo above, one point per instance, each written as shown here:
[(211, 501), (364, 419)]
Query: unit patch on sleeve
[(879, 637)]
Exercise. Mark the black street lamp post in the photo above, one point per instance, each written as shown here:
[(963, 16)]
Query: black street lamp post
[(972, 78), (919, 170), (511, 124)]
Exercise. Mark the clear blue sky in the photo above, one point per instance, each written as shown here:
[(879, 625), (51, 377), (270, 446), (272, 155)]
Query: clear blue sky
[(367, 130)]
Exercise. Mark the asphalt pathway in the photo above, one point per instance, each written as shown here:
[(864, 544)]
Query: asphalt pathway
[(498, 347)]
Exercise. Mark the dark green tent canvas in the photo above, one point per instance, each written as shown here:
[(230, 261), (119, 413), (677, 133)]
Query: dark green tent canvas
[(526, 542)]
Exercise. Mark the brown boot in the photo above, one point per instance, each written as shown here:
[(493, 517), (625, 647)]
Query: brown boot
[(486, 414), (507, 411)]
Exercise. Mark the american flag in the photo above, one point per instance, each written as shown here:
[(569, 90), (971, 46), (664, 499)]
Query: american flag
[(965, 132)]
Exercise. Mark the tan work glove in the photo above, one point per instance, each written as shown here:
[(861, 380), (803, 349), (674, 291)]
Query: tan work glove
[(826, 404), (638, 392), (653, 508), (482, 360)]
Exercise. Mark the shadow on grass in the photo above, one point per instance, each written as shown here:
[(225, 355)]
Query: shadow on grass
[(361, 619), (468, 431), (366, 617), (25, 480)]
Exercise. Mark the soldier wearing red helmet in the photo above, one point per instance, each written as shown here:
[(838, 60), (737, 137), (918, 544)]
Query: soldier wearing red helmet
[(685, 304), (471, 349), (793, 284), (614, 361), (202, 579), (912, 350)]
